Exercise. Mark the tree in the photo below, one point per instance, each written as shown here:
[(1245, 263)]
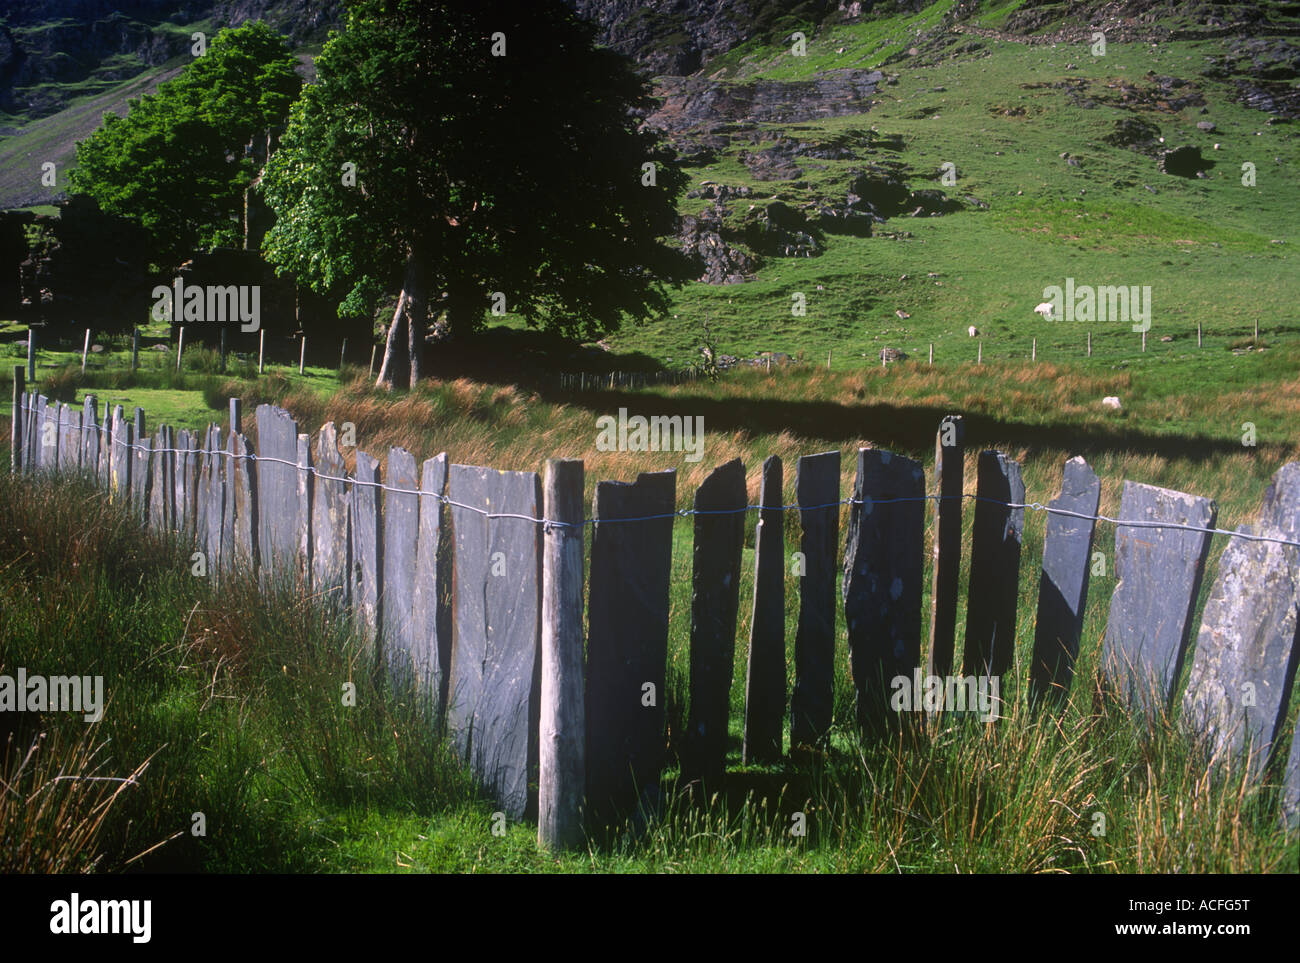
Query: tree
[(469, 154), (180, 161)]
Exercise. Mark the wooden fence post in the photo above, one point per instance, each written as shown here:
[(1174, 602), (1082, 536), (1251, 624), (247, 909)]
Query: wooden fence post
[(223, 349), (31, 354), (562, 772), (765, 679), (85, 348), (135, 348), (261, 347), (949, 468), (16, 423)]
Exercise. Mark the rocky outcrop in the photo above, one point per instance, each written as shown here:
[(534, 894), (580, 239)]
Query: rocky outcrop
[(700, 236), (695, 102), (1135, 134)]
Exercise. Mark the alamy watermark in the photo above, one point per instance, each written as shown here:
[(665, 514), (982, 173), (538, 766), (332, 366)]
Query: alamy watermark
[(210, 303), (57, 693), (656, 433), (933, 693), (1085, 302)]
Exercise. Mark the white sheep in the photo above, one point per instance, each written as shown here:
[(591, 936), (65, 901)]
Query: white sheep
[(1045, 309), (973, 331)]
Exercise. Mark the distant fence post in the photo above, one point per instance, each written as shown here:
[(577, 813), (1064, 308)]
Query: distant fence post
[(85, 349), (31, 354), (135, 348), (562, 772), (16, 423), (765, 678), (949, 466)]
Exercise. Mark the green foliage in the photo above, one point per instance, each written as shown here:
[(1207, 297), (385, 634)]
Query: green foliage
[(176, 163), (471, 177)]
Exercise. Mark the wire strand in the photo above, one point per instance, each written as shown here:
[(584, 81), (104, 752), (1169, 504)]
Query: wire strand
[(551, 524)]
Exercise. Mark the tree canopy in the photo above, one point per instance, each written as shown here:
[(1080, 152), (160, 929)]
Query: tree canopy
[(472, 154), (176, 163)]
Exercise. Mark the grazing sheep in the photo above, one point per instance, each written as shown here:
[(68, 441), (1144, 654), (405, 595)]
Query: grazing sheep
[(1110, 401), (1045, 309), (973, 331)]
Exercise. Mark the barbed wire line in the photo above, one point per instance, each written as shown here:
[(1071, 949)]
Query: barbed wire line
[(551, 524)]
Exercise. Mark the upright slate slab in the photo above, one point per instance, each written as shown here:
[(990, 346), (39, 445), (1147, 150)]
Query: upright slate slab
[(949, 469), (331, 557), (1063, 582), (185, 498), (817, 491), (240, 529), (1245, 658), (401, 533), (120, 456), (48, 443), (89, 436), (883, 564), (277, 492), (106, 449), (720, 506), (994, 592), (765, 677), (1159, 571), (367, 551), (141, 475), (430, 617), (306, 481), (492, 701), (69, 439), (216, 523), (627, 645), (162, 486)]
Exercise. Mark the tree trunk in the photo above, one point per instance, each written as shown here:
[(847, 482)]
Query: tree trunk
[(404, 349), (395, 372)]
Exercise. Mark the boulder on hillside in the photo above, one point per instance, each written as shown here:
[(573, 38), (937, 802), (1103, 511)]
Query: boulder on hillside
[(1185, 161)]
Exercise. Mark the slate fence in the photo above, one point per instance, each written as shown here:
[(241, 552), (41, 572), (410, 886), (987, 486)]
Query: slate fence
[(468, 581)]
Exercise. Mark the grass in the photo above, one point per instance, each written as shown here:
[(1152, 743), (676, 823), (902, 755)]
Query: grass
[(225, 702)]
